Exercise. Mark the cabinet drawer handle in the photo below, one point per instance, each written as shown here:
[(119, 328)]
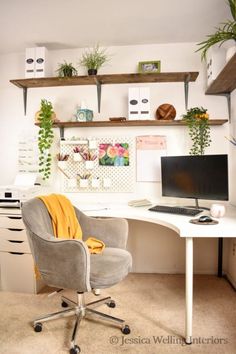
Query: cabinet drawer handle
[(15, 217), (18, 253), (13, 229), (14, 241)]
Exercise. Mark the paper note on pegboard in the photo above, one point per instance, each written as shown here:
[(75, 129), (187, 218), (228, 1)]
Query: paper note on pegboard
[(149, 150)]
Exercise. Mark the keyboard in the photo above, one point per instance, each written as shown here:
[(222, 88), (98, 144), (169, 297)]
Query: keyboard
[(175, 210)]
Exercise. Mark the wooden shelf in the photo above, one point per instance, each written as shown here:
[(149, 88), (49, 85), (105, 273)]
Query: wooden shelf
[(130, 123), (225, 81), (106, 79), (100, 80)]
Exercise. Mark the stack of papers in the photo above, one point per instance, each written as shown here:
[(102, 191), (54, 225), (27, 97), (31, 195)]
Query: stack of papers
[(139, 202)]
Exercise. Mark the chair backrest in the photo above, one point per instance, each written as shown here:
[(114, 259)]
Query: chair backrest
[(36, 216), (61, 263)]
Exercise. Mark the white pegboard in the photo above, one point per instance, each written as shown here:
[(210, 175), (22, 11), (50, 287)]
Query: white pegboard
[(122, 178)]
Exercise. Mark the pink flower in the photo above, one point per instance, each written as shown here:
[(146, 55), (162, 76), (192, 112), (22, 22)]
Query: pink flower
[(112, 151), (102, 153), (126, 153), (121, 151)]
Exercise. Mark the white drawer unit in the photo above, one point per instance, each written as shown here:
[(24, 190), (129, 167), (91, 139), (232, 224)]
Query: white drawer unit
[(16, 262)]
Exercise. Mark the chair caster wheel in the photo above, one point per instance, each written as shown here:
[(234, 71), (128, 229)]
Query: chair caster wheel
[(38, 327), (111, 304), (75, 350), (64, 304), (125, 329)]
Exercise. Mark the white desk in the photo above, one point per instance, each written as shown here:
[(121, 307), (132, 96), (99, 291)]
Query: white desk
[(180, 224)]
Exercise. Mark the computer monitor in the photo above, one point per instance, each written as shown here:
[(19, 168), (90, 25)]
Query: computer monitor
[(198, 177)]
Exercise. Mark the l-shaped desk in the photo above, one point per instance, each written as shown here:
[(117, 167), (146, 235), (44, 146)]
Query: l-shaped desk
[(226, 228)]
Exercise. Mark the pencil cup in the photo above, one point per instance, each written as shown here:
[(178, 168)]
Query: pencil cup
[(62, 164), (217, 210), (72, 182), (77, 157), (83, 183), (106, 182), (92, 144), (95, 182)]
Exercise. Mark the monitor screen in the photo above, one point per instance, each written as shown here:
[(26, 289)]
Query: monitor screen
[(199, 177)]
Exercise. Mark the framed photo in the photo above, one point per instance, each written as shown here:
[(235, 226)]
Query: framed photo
[(153, 66), (114, 155)]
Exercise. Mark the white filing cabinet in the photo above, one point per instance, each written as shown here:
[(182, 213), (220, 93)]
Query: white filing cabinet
[(16, 262)]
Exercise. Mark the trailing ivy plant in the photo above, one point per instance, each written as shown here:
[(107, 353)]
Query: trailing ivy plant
[(45, 138), (197, 120)]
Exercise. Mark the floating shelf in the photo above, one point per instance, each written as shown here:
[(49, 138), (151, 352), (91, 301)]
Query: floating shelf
[(106, 79), (225, 81), (100, 80), (131, 123), (127, 123)]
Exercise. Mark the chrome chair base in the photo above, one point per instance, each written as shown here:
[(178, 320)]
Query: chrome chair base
[(81, 310)]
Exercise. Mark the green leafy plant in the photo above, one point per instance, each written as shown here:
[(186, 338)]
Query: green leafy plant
[(197, 120), (94, 58), (66, 70), (45, 138), (225, 32)]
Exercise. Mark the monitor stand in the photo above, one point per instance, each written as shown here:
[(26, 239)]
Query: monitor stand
[(197, 206)]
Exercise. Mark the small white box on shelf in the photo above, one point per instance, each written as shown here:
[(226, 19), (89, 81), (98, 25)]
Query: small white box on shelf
[(95, 182), (134, 106), (83, 183), (29, 63), (72, 182), (62, 164), (216, 60), (144, 102), (106, 182), (92, 144), (41, 62)]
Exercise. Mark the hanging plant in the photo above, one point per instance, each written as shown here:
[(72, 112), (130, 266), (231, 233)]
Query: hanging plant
[(197, 120), (225, 32), (45, 138)]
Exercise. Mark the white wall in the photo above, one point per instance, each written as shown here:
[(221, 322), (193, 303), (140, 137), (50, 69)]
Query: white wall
[(232, 157), (174, 57)]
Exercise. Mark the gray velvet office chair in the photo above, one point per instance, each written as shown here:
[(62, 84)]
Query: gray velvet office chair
[(67, 264)]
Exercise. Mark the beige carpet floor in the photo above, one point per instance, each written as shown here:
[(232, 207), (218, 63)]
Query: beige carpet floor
[(152, 304)]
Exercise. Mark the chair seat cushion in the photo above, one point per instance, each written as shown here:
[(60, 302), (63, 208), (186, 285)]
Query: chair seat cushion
[(109, 267)]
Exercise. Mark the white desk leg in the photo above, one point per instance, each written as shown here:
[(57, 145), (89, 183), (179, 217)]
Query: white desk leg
[(188, 289)]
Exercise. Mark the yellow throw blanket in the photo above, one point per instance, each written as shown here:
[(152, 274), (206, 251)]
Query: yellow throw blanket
[(65, 223)]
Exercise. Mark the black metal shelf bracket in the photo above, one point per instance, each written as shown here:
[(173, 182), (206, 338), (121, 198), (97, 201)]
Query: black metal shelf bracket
[(99, 93), (186, 89), (25, 99), (62, 136)]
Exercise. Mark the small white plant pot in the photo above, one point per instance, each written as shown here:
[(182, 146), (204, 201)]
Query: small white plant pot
[(89, 165), (62, 164), (72, 182), (92, 144), (83, 183), (77, 157), (106, 182), (95, 182)]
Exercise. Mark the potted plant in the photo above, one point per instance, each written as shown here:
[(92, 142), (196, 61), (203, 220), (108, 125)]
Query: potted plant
[(93, 59), (45, 138), (66, 70), (197, 120), (224, 33)]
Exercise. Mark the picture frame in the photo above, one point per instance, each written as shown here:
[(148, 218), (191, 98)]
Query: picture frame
[(147, 67)]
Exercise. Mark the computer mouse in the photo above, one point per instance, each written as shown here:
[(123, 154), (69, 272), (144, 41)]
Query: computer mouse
[(205, 218)]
